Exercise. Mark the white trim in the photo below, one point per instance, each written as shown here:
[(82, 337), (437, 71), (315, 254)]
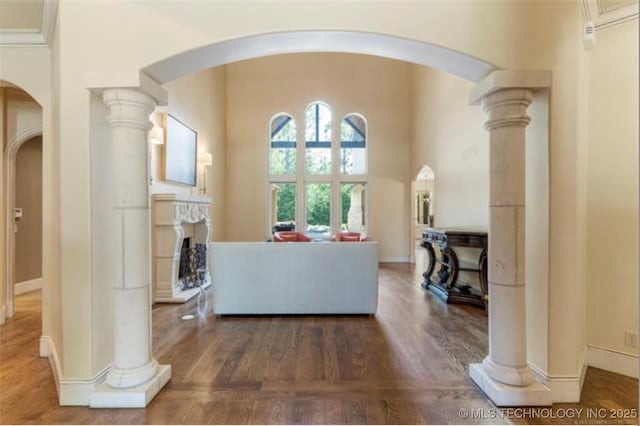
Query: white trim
[(16, 37), (611, 360), (507, 79), (256, 46), (48, 24), (394, 259), (603, 19), (48, 350), (78, 391), (40, 36), (564, 388), (70, 391), (27, 286), (10, 162)]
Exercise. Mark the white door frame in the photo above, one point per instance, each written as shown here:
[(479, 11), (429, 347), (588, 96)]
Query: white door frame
[(10, 156)]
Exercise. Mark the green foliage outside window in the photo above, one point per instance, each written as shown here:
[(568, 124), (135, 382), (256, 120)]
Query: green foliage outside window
[(286, 202), (318, 204)]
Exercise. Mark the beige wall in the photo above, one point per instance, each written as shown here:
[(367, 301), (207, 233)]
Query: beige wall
[(375, 87), (612, 200), (28, 197), (447, 134), (199, 100), (100, 57)]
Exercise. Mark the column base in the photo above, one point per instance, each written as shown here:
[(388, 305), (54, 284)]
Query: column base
[(104, 396), (535, 394)]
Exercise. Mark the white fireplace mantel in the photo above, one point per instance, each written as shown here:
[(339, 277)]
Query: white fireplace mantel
[(176, 217)]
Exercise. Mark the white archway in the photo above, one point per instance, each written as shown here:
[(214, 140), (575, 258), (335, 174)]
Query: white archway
[(366, 43), (11, 153), (505, 375)]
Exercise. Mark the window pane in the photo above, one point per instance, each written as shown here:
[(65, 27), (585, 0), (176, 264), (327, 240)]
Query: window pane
[(353, 199), (353, 144), (318, 210), (318, 123), (282, 159), (318, 139), (283, 206)]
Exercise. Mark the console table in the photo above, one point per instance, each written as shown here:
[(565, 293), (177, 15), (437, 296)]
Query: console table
[(447, 286)]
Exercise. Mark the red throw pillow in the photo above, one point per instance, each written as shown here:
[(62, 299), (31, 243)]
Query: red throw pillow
[(289, 237), (351, 238)]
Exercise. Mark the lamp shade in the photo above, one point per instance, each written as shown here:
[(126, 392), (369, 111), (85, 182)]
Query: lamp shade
[(205, 158)]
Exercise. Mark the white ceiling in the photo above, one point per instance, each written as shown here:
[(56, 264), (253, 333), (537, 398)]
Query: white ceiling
[(27, 21)]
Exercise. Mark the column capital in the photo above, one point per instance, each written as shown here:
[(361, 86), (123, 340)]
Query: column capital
[(129, 108), (507, 108), (507, 79)]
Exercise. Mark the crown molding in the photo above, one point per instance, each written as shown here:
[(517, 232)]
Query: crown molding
[(41, 36), (593, 12)]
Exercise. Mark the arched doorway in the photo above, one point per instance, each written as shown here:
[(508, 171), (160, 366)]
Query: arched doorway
[(23, 124), (505, 97), (422, 212), (366, 43)]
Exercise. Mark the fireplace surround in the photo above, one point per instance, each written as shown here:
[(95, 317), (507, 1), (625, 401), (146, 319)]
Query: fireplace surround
[(178, 218)]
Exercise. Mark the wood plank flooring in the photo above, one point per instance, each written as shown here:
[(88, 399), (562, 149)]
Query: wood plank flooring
[(408, 364)]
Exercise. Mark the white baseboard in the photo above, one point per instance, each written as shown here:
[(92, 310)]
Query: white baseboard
[(2, 315), (75, 392), (48, 350), (78, 391), (394, 259), (27, 286), (614, 361), (564, 388)]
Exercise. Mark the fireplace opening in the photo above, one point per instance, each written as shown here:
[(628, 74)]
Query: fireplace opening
[(193, 264)]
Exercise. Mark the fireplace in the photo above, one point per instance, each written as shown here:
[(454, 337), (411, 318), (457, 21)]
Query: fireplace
[(193, 264), (181, 233)]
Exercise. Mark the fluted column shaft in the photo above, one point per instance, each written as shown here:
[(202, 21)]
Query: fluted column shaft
[(507, 121), (129, 112)]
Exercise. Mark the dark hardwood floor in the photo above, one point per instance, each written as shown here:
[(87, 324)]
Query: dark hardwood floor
[(408, 364)]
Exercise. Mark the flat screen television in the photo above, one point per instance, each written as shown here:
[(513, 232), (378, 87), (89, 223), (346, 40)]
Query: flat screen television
[(180, 152)]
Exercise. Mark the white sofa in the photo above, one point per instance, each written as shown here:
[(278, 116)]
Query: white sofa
[(294, 278)]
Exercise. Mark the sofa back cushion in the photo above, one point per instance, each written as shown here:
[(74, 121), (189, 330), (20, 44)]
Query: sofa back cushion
[(288, 237)]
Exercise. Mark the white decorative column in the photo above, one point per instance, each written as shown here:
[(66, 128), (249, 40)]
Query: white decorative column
[(505, 375), (135, 377)]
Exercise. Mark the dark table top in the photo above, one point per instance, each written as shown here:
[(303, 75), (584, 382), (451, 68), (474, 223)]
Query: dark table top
[(457, 230)]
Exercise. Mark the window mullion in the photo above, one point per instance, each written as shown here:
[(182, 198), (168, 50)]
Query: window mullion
[(336, 202), (301, 202)]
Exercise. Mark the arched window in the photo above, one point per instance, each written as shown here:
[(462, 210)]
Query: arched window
[(315, 196), (318, 139), (282, 169), (282, 160), (353, 145)]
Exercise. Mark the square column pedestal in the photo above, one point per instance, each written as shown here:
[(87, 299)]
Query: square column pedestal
[(535, 394), (104, 396)]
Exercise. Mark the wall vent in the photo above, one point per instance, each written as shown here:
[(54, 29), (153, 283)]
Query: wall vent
[(589, 35)]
